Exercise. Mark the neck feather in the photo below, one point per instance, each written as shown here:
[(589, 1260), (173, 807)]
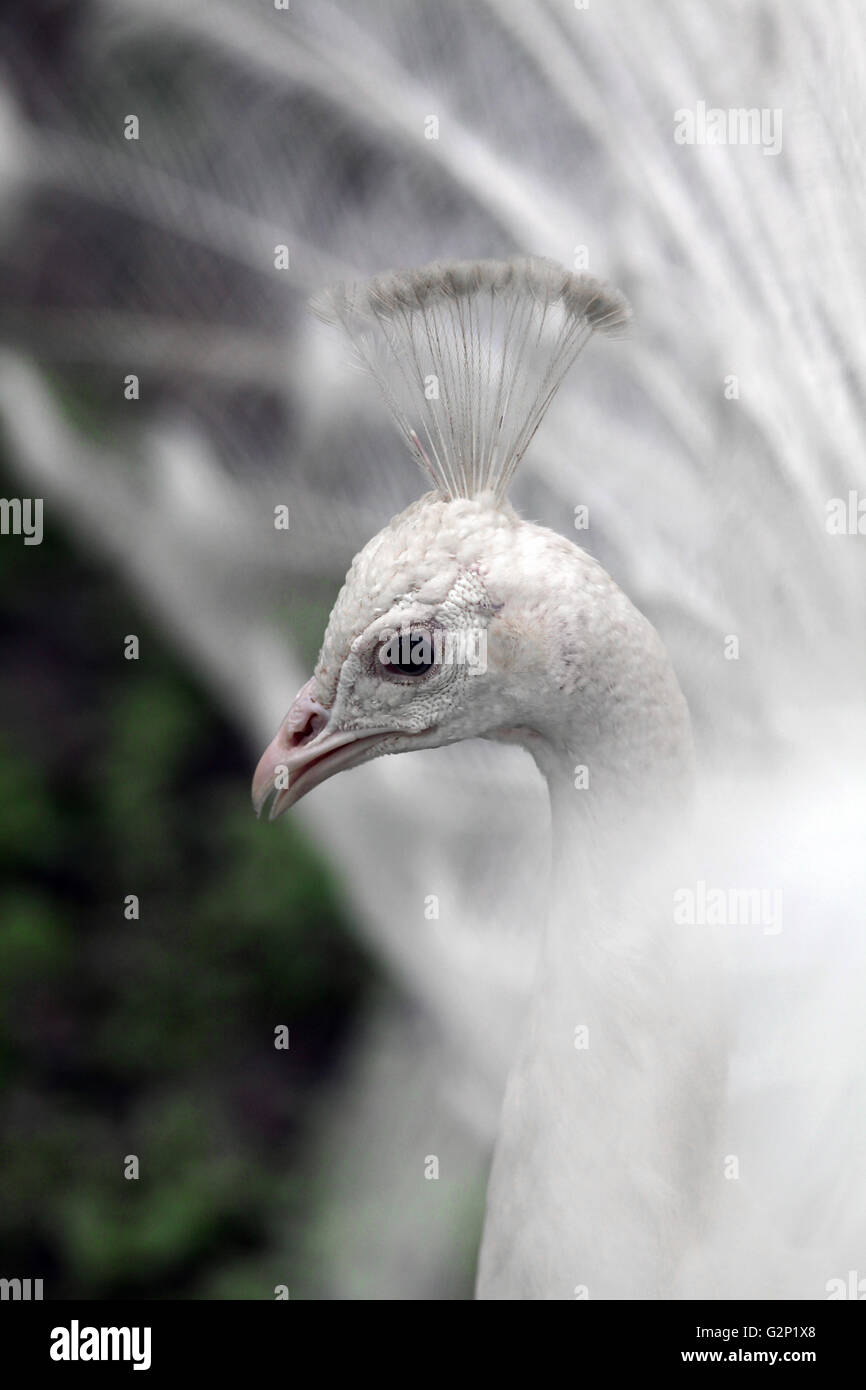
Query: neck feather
[(596, 1174)]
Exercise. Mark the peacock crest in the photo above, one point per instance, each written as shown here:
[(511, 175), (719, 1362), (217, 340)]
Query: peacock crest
[(468, 356)]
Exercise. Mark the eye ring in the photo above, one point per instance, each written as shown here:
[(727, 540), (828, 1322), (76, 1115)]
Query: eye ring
[(406, 655)]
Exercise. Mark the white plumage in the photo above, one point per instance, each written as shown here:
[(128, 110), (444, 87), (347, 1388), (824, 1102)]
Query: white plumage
[(610, 1167), (705, 452), (472, 353)]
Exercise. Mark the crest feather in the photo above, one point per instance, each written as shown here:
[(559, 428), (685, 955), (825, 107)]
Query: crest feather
[(469, 355)]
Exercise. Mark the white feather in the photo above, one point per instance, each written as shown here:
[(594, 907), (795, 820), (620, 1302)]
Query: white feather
[(472, 354)]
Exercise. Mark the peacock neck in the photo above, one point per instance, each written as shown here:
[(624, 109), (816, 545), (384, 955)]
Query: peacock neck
[(590, 1189)]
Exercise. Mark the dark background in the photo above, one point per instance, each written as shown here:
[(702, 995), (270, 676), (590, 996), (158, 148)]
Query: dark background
[(150, 1037)]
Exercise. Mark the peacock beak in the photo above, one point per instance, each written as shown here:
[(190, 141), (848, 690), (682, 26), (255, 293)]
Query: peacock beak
[(304, 752)]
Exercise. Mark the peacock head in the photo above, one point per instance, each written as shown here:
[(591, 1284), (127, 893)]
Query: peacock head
[(460, 619)]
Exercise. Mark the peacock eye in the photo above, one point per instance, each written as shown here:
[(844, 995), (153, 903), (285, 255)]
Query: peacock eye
[(406, 654)]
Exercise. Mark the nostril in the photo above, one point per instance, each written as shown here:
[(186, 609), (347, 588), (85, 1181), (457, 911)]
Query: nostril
[(312, 724), (307, 718)]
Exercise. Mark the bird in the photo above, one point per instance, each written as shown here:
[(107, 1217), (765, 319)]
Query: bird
[(606, 1159), (705, 454)]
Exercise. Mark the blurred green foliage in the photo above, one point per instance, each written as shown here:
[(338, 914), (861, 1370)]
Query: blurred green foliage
[(152, 1037)]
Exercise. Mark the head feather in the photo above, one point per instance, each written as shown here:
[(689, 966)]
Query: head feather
[(469, 355)]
